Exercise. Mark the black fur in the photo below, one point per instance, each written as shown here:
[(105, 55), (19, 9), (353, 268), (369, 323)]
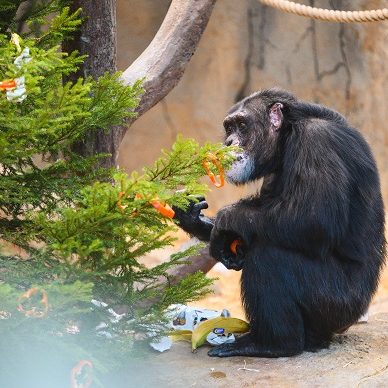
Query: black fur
[(313, 238)]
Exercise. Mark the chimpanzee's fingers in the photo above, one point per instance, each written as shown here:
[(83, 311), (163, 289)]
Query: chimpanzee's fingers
[(200, 206), (199, 198), (194, 199)]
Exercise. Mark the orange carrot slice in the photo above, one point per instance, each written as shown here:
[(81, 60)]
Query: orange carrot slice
[(8, 84), (211, 158), (83, 370), (234, 244), (34, 311), (164, 210)]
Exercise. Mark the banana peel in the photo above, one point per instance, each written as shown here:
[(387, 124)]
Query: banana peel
[(231, 325), (180, 335)]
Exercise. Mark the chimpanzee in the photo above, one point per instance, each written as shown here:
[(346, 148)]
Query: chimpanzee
[(312, 241)]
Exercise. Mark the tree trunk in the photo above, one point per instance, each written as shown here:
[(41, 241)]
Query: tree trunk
[(97, 39)]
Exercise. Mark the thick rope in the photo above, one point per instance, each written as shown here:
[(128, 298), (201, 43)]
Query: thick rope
[(328, 15)]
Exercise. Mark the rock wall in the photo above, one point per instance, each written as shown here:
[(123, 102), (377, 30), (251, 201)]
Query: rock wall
[(247, 47)]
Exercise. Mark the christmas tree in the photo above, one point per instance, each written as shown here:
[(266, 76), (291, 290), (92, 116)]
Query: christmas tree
[(73, 294)]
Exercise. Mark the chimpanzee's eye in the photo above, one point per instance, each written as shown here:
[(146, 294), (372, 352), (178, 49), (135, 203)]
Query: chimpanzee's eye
[(228, 129), (242, 126)]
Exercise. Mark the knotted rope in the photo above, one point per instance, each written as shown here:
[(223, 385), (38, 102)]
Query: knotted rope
[(328, 15)]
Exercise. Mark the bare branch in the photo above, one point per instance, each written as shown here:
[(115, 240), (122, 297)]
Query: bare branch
[(202, 262), (163, 62)]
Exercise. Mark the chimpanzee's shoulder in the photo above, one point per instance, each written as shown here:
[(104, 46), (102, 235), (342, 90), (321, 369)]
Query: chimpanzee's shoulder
[(316, 113)]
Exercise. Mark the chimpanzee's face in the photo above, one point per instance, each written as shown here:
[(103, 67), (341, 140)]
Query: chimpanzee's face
[(253, 125)]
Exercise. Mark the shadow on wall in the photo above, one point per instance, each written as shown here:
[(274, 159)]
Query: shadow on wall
[(247, 47)]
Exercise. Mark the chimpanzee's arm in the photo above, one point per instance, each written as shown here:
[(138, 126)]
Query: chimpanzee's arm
[(314, 227), (193, 221)]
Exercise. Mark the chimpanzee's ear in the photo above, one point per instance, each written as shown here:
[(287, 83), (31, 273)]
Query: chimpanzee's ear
[(276, 116)]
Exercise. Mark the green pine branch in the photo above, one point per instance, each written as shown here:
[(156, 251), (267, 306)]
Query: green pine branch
[(80, 230)]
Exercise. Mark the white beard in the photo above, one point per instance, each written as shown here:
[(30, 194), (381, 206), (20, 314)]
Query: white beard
[(241, 170)]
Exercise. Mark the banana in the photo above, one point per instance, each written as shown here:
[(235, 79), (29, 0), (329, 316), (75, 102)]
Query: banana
[(180, 335), (231, 325)]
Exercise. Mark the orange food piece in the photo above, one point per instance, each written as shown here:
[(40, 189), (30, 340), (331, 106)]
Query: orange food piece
[(164, 210), (8, 84), (119, 204), (221, 177), (79, 371), (33, 312), (234, 244)]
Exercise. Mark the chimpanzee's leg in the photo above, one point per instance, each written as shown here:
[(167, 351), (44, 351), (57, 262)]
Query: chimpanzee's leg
[(294, 302), (271, 289)]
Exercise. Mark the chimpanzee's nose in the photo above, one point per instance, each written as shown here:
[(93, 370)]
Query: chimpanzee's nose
[(232, 139), (229, 141)]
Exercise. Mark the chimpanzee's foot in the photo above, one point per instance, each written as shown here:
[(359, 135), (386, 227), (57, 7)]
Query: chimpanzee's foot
[(244, 346), (315, 342)]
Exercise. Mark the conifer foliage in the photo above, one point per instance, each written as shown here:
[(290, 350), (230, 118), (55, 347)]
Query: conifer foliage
[(71, 284)]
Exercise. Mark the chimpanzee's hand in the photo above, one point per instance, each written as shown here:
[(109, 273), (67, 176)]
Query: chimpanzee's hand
[(190, 217), (192, 221), (220, 248)]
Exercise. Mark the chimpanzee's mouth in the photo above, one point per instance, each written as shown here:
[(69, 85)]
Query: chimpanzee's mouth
[(241, 170)]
